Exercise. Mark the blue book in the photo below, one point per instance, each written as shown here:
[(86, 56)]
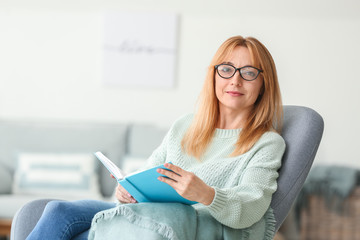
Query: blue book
[(144, 186)]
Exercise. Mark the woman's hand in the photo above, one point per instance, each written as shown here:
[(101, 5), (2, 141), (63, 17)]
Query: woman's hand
[(187, 184), (122, 195)]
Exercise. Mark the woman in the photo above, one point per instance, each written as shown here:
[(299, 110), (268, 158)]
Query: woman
[(225, 157)]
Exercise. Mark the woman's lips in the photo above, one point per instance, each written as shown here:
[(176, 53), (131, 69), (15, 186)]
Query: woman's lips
[(234, 93)]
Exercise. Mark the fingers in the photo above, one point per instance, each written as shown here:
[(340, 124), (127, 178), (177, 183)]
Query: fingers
[(174, 168), (171, 176), (169, 181), (174, 174), (123, 196)]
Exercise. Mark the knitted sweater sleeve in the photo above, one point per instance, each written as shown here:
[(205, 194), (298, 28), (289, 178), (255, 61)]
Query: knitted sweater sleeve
[(245, 204)]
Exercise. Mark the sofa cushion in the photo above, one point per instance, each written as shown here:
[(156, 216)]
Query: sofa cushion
[(131, 164), (63, 137), (5, 180), (143, 139)]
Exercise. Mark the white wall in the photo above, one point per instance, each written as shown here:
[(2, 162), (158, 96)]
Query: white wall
[(50, 61)]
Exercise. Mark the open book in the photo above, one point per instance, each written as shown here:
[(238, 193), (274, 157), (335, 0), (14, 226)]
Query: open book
[(144, 186)]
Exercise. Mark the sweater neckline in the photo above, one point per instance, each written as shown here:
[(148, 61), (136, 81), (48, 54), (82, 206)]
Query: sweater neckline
[(227, 133)]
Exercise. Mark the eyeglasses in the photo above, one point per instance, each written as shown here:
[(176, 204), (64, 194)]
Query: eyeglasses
[(248, 73)]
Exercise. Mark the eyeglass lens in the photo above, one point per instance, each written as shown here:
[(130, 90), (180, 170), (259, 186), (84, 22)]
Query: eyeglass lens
[(247, 73)]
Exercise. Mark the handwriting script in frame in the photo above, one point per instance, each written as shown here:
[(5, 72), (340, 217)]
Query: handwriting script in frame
[(139, 49)]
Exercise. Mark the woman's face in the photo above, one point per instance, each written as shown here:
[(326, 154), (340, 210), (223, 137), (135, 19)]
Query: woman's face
[(235, 94)]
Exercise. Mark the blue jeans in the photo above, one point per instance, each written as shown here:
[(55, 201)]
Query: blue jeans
[(67, 219)]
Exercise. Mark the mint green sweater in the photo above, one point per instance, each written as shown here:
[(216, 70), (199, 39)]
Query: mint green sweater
[(243, 184)]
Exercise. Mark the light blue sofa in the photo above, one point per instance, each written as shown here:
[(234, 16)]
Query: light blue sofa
[(116, 140)]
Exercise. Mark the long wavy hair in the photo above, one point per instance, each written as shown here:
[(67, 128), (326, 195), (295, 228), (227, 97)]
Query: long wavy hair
[(266, 114)]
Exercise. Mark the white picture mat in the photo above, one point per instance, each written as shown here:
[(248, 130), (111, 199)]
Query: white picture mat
[(140, 49)]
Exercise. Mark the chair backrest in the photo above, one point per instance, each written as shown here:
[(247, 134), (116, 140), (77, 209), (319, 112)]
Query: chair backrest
[(302, 130)]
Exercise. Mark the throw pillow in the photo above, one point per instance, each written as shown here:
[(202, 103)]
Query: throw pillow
[(57, 175)]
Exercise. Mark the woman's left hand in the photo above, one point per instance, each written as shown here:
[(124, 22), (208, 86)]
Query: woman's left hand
[(187, 184)]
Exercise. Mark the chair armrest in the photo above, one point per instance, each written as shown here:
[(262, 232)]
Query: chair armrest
[(26, 218)]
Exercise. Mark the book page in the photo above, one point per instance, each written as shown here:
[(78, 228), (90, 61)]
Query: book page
[(113, 169)]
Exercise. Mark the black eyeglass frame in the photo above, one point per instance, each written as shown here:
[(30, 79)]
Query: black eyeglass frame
[(238, 69)]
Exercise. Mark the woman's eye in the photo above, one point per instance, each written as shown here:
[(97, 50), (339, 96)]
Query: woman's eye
[(250, 74), (226, 69)]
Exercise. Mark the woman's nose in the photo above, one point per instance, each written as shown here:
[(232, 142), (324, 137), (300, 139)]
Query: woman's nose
[(237, 79)]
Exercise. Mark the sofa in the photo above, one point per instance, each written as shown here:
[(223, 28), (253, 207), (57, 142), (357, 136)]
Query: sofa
[(36, 156)]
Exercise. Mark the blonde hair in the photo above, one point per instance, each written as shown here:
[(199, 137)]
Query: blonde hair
[(266, 114)]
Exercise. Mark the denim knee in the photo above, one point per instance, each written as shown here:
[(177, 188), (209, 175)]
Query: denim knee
[(58, 208)]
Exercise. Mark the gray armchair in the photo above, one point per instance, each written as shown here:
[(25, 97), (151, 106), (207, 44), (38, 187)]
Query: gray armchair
[(302, 131)]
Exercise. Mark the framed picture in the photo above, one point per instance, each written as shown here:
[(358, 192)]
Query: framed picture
[(140, 49)]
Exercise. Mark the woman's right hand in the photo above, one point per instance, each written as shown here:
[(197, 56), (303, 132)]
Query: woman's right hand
[(123, 196)]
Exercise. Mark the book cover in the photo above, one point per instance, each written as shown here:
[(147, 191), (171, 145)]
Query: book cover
[(144, 186)]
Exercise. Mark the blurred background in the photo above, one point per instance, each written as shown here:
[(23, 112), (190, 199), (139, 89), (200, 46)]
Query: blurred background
[(51, 62)]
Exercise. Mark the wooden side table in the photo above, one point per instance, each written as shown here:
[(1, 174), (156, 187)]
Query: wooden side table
[(5, 227)]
